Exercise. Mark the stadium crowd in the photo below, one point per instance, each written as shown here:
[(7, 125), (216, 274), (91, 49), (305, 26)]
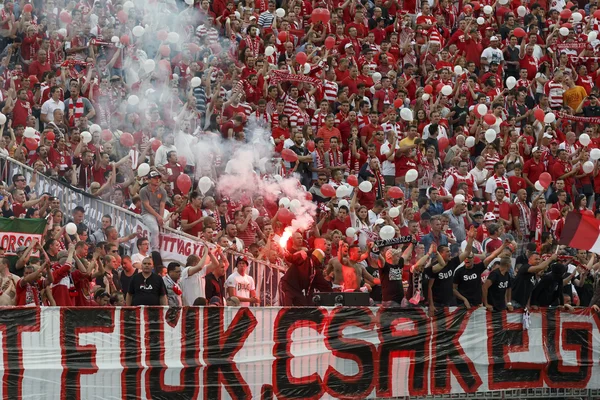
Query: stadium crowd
[(458, 134)]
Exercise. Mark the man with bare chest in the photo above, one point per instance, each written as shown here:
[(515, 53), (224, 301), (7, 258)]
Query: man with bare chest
[(8, 291), (346, 272)]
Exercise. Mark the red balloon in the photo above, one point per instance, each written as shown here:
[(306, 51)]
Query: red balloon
[(285, 216), (164, 50), (164, 65), (193, 47), (125, 40), (476, 5), (467, 9), (162, 35), (553, 214), (127, 139), (122, 16), (50, 136), (567, 25), (597, 14), (301, 58), (27, 8), (395, 192), (398, 103), (565, 14), (321, 15), (31, 144), (182, 161), (539, 114), (310, 145), (155, 144), (184, 183), (545, 179), (489, 119), (428, 89), (438, 88), (442, 143), (353, 180), (327, 190), (519, 32), (138, 137), (282, 36), (330, 43), (65, 17), (309, 196), (289, 155), (106, 135)]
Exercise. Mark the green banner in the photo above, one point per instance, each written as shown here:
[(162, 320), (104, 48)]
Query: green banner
[(19, 232)]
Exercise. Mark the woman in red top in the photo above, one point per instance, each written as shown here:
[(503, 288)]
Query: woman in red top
[(28, 293)]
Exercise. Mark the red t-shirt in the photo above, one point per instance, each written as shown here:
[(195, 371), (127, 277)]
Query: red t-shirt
[(533, 170), (27, 295), (339, 225), (191, 215), (516, 183), (82, 285)]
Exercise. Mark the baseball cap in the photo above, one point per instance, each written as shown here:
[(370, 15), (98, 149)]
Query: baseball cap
[(548, 136), (489, 217), (215, 300), (535, 149), (319, 254), (21, 248), (154, 174), (493, 38), (554, 141), (241, 258), (347, 45)]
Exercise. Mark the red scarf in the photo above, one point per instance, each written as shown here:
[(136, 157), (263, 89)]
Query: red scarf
[(75, 110), (336, 159), (538, 228), (320, 158)]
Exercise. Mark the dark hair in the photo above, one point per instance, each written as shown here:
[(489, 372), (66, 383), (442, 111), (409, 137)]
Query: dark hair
[(200, 301), (172, 265), (140, 241), (79, 208)]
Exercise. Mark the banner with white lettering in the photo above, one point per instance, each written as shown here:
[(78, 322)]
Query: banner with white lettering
[(290, 353)]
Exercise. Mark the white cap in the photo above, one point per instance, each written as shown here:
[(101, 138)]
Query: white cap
[(535, 149), (548, 136), (348, 45), (489, 217), (493, 38)]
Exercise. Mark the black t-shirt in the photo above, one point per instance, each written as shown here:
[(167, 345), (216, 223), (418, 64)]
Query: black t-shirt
[(461, 114), (146, 291), (469, 282), (523, 285), (591, 111), (126, 280), (442, 288), (391, 282), (214, 286), (586, 292), (497, 292), (548, 291)]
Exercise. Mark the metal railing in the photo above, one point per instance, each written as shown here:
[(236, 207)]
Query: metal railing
[(265, 276)]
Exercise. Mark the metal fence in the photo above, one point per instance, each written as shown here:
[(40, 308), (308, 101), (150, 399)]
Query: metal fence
[(126, 222)]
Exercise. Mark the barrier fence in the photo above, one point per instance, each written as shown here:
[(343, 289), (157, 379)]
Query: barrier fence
[(175, 245), (295, 353)]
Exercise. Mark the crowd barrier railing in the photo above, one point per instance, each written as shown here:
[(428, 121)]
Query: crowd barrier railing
[(266, 277)]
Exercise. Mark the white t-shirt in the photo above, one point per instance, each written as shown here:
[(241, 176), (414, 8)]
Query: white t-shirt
[(137, 258), (192, 286), (242, 286), (388, 168), (492, 55)]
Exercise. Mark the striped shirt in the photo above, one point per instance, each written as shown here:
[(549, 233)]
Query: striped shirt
[(554, 91), (265, 19), (317, 121), (291, 105), (200, 96), (299, 119), (330, 90)]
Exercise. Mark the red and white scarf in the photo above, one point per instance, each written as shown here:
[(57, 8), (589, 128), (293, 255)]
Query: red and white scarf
[(320, 158), (525, 216), (502, 182), (76, 110), (336, 158)]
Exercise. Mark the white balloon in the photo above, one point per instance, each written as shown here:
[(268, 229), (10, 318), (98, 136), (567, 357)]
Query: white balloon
[(521, 11), (584, 139), (128, 4), (255, 214), (2, 119), (588, 167), (295, 205), (71, 228), (376, 77), (593, 35), (189, 2), (29, 132), (95, 128), (549, 118), (62, 32), (459, 199), (563, 31), (394, 212), (269, 50), (406, 114), (143, 169), (86, 137), (595, 154), (480, 21), (195, 82), (307, 68), (115, 39), (133, 100), (350, 232), (503, 2), (577, 17), (237, 15), (411, 175), (365, 186), (425, 96), (204, 184), (343, 203), (284, 201), (538, 186), (138, 31), (490, 135), (446, 90), (372, 89), (387, 232), (487, 10), (149, 65), (458, 70), (278, 178), (340, 192), (280, 12), (173, 37), (482, 109), (511, 82), (470, 141)]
